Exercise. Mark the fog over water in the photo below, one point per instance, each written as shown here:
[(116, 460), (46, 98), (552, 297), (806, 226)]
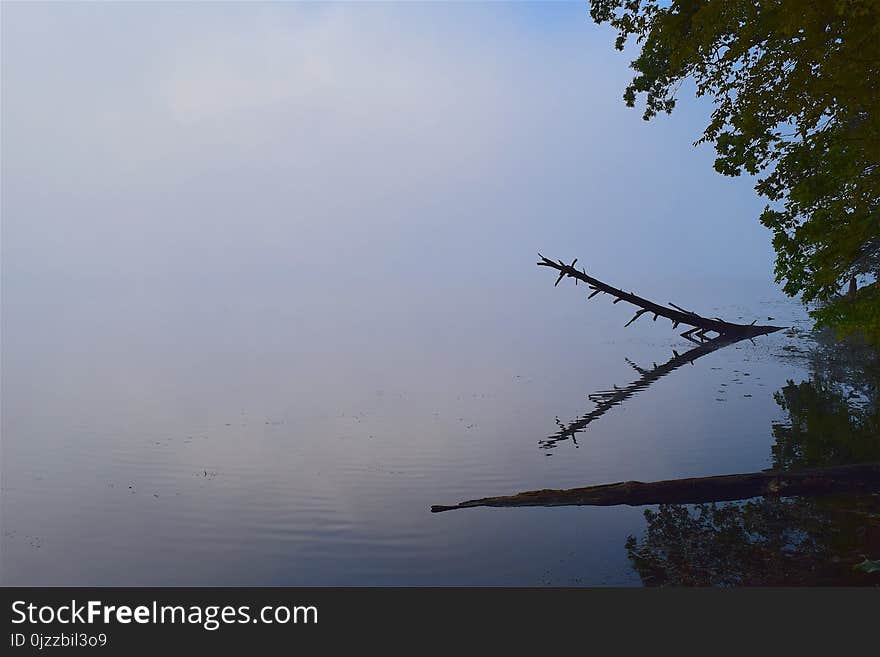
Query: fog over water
[(269, 292)]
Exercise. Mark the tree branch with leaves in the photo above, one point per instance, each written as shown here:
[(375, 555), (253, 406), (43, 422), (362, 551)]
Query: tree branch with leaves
[(796, 91)]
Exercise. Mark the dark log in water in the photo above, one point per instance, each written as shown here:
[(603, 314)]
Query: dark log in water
[(701, 325), (697, 490)]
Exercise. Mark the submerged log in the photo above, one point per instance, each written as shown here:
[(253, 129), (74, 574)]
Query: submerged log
[(697, 490), (677, 315)]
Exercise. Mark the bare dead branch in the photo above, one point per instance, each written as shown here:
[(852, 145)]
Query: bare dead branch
[(675, 314)]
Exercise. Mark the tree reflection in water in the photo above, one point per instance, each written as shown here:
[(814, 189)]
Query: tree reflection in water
[(833, 419)]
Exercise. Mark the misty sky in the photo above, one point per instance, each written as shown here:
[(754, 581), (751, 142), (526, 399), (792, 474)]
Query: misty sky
[(371, 161)]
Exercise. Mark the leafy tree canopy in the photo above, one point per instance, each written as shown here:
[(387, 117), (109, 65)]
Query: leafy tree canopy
[(796, 91)]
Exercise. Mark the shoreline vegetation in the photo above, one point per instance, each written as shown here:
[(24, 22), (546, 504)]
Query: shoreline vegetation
[(796, 105)]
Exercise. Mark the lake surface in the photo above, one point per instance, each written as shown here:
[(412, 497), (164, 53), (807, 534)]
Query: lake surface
[(153, 437)]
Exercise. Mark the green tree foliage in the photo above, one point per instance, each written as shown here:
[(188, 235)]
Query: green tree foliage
[(796, 91)]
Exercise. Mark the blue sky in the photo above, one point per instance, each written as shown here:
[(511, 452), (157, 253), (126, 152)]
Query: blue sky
[(172, 144)]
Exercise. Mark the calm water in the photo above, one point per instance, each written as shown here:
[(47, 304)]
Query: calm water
[(155, 436)]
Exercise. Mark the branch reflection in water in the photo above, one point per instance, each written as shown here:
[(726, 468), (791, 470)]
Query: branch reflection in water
[(605, 400)]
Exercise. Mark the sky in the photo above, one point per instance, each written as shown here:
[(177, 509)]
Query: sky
[(377, 160)]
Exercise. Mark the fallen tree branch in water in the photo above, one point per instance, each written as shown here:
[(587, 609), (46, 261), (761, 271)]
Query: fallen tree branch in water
[(697, 490), (677, 315)]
